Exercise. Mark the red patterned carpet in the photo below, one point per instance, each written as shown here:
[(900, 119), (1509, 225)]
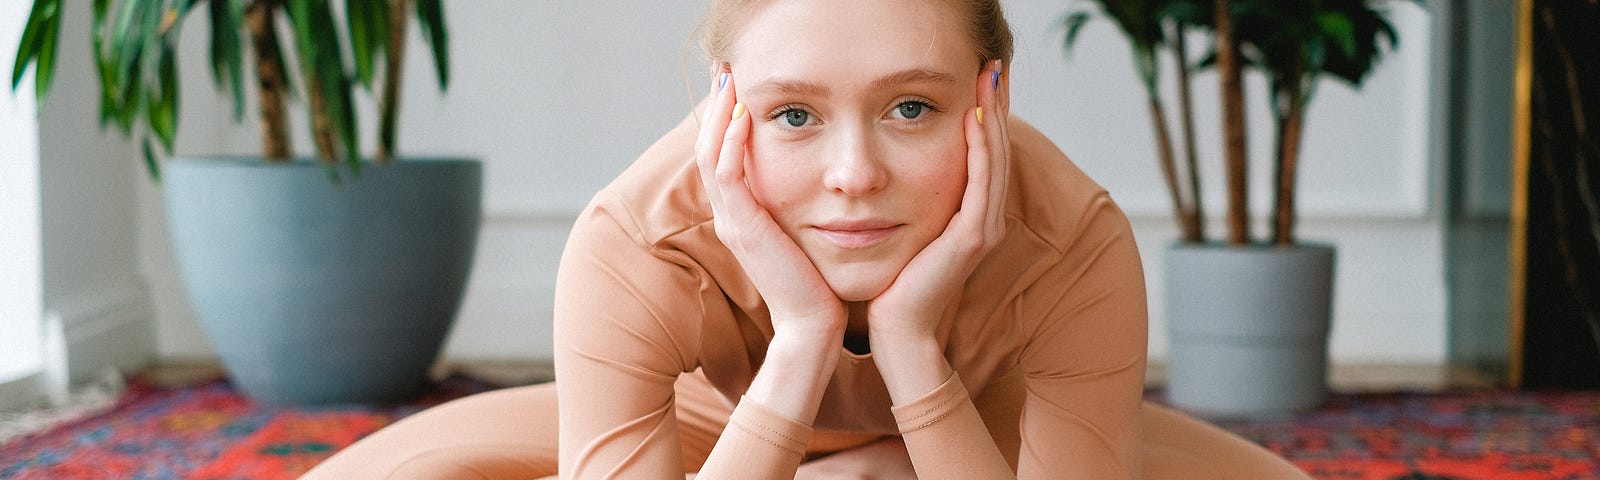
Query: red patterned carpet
[(209, 431)]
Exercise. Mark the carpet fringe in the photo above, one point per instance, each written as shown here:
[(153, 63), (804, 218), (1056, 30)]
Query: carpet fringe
[(95, 397)]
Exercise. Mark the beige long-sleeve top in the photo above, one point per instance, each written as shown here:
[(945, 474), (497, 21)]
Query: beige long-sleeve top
[(646, 292)]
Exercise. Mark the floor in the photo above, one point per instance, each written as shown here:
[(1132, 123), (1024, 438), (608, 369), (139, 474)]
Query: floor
[(1375, 377), (99, 395)]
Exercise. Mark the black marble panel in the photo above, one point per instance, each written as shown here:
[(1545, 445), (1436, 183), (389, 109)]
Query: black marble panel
[(1561, 343)]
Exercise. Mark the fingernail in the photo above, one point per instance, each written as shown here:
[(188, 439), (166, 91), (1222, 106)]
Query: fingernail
[(738, 110), (994, 77), (980, 115), (722, 80)]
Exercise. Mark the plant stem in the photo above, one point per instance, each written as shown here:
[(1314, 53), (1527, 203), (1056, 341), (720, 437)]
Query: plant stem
[(321, 125), (1289, 127), (1197, 215), (269, 80), (1158, 117), (1233, 127), (389, 105)]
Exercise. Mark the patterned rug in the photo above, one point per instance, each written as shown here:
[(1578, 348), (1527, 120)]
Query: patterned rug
[(209, 431), (1465, 435)]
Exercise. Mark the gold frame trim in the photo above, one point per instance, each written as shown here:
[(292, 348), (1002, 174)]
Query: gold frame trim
[(1521, 146)]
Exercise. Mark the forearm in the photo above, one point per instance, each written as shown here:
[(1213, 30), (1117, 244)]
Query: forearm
[(911, 365), (944, 435), (770, 429), (794, 375)]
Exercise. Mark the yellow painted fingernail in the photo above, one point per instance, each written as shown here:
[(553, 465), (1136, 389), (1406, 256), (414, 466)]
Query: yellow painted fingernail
[(980, 115), (738, 110)]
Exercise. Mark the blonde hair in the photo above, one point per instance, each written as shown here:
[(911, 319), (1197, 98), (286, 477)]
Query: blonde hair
[(986, 25)]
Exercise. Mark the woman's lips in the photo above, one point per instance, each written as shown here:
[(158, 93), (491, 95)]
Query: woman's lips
[(857, 235)]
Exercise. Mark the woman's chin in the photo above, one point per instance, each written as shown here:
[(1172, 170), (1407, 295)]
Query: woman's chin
[(853, 285)]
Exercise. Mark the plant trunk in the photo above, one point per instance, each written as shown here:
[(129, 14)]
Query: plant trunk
[(269, 80), (1233, 127), (389, 105), (1158, 116), (1289, 128), (321, 125), (1197, 215)]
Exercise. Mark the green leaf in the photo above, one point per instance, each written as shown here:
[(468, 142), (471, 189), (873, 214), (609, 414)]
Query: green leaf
[(124, 38), (1073, 23), (102, 62), (347, 127), (341, 109), (37, 47), (45, 68), (1186, 12), (162, 107), (227, 51), (358, 15), (1339, 30), (150, 163), (430, 14)]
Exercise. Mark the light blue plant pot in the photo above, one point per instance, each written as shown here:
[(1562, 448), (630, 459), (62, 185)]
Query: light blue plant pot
[(314, 292), (1248, 328)]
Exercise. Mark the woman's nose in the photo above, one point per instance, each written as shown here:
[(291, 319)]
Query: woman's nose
[(855, 169)]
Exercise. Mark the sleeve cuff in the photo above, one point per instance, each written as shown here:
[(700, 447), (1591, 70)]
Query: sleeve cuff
[(756, 420), (932, 407)]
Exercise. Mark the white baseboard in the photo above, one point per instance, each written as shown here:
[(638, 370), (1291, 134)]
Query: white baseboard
[(20, 392), (116, 331)]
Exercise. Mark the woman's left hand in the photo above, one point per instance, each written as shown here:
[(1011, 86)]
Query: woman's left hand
[(908, 312)]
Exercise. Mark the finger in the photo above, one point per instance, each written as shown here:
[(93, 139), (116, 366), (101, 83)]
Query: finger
[(1003, 89), (737, 200), (991, 129), (713, 126), (975, 200), (999, 145)]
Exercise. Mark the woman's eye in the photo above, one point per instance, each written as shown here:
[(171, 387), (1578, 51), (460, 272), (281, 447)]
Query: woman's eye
[(796, 118), (911, 110)]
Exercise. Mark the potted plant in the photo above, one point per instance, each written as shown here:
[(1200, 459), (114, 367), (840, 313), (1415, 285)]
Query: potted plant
[(326, 280), (1248, 320)]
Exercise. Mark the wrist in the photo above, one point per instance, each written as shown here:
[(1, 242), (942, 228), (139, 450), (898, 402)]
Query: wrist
[(911, 365), (795, 372)]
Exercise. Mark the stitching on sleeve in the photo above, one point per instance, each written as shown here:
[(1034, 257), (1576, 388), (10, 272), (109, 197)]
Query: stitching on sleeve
[(759, 435)]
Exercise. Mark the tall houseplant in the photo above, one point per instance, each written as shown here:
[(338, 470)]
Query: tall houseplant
[(1248, 321), (316, 281), (135, 46)]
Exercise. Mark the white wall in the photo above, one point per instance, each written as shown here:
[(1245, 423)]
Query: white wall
[(87, 176), (69, 218), (20, 309), (558, 97)]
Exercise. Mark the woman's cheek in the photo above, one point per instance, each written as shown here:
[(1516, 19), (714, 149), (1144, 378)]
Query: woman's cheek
[(936, 153)]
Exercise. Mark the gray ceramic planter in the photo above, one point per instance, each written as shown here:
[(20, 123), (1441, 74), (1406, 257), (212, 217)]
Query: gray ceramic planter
[(1248, 327), (316, 293)]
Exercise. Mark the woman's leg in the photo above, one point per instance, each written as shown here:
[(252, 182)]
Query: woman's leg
[(503, 434), (1177, 446)]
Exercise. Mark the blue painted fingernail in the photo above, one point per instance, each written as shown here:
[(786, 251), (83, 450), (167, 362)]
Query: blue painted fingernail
[(722, 80), (995, 78)]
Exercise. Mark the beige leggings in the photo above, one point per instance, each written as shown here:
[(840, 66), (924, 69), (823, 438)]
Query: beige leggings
[(511, 434)]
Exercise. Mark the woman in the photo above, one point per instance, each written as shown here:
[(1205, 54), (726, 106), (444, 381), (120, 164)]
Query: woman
[(850, 261)]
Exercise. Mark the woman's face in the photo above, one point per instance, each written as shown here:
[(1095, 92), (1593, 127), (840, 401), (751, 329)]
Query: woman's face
[(857, 148)]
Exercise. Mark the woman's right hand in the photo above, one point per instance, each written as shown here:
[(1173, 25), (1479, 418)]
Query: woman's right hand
[(808, 320), (798, 299)]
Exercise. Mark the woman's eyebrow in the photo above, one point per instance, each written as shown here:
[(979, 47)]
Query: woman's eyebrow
[(915, 75), (807, 88)]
